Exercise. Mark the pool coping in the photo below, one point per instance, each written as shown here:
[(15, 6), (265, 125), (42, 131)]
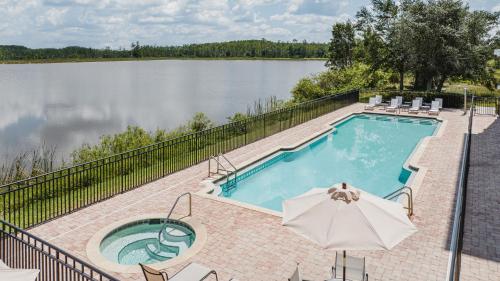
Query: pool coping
[(94, 253), (416, 179)]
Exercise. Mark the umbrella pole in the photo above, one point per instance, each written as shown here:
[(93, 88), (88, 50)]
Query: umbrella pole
[(343, 266)]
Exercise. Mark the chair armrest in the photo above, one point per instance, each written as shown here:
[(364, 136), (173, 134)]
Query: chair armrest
[(164, 273), (210, 273)]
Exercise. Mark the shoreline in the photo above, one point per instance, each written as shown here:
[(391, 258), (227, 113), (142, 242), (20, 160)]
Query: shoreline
[(80, 60)]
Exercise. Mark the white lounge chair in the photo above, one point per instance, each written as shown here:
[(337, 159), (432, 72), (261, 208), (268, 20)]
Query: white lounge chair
[(394, 105), (415, 106), (378, 99), (440, 100), (296, 276), (400, 100), (371, 104), (434, 108), (17, 274), (421, 99), (190, 272)]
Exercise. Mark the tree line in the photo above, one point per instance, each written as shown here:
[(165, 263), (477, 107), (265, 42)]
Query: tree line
[(426, 41), (244, 48)]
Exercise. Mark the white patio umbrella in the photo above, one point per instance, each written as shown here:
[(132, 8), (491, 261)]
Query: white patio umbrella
[(345, 218)]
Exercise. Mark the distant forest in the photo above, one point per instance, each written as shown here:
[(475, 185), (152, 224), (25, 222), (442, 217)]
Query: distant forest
[(232, 49)]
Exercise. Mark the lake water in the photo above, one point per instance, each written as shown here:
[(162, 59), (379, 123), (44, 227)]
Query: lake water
[(69, 104)]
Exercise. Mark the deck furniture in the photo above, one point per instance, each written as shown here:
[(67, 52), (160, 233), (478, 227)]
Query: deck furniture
[(371, 104), (296, 276), (415, 107), (190, 272), (378, 99), (355, 268), (440, 100), (400, 100), (17, 274), (394, 106), (434, 108)]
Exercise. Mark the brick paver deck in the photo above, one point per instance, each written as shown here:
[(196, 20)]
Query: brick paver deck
[(251, 245), (481, 248)]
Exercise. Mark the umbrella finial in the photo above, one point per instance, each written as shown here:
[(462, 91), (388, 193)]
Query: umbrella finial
[(345, 193)]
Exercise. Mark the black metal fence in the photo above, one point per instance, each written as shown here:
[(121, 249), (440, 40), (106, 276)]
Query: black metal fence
[(19, 249), (459, 217), (36, 200), (486, 105)]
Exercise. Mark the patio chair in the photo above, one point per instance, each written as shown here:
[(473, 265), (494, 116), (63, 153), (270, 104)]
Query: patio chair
[(378, 99), (400, 100), (434, 108), (17, 274), (440, 100), (421, 99), (415, 107), (394, 105), (296, 276), (3, 265), (355, 268), (371, 104), (190, 272)]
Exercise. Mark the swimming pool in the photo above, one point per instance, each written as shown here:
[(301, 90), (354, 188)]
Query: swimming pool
[(368, 151)]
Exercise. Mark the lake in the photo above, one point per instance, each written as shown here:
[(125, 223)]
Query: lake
[(68, 104)]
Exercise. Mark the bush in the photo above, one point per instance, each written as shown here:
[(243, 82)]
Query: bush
[(333, 81)]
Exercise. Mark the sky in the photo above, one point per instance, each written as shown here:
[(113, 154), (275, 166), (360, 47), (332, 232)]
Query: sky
[(117, 23)]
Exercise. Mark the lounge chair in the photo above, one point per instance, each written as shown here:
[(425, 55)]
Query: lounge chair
[(440, 100), (400, 100), (296, 276), (17, 274), (415, 106), (355, 268), (371, 104), (394, 105), (378, 99), (421, 99), (434, 108), (190, 272)]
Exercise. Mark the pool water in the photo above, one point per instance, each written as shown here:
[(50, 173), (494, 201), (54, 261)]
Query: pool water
[(137, 242), (367, 151)]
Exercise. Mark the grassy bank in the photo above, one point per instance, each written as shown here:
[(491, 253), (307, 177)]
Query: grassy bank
[(76, 60), (35, 200)]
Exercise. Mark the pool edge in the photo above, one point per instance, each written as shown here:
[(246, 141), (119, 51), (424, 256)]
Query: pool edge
[(414, 182)]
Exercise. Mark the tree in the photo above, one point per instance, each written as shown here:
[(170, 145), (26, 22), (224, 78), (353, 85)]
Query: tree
[(342, 44), (435, 40)]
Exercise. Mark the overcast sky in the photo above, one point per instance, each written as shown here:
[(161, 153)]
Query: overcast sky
[(116, 23)]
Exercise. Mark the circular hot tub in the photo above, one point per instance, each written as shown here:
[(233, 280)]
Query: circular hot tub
[(122, 246), (137, 242)]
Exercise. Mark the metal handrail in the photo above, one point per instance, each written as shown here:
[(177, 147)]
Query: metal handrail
[(453, 273), (405, 190), (172, 209), (229, 173)]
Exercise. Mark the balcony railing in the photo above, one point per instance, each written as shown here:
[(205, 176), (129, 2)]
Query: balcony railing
[(20, 249)]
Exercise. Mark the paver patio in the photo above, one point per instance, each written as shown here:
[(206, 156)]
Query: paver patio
[(481, 247), (251, 245)]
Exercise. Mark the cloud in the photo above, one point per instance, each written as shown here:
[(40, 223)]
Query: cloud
[(117, 23)]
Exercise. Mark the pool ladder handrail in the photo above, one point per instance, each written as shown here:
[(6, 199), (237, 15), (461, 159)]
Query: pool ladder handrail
[(221, 167), (170, 213), (408, 192)]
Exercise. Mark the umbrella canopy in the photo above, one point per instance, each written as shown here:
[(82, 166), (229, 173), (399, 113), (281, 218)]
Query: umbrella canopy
[(347, 219)]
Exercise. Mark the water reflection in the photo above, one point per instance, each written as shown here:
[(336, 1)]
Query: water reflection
[(69, 104)]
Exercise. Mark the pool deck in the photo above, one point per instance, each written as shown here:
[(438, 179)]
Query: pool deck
[(481, 248), (252, 245)]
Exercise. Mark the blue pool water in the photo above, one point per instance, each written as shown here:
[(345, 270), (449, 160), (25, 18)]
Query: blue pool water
[(367, 151), (137, 242)]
